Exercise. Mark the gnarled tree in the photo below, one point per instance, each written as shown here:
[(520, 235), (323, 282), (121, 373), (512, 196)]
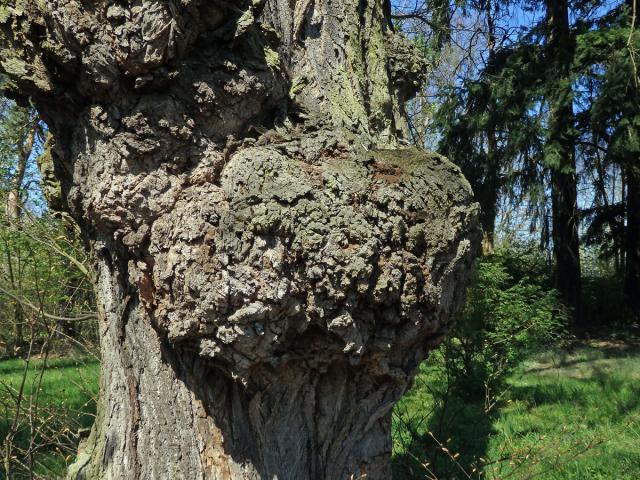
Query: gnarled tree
[(271, 265)]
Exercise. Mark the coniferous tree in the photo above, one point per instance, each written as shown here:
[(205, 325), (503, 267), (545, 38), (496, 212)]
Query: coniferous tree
[(632, 166), (560, 156), (530, 92), (608, 55)]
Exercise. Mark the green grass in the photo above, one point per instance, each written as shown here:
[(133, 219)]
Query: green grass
[(566, 415), (66, 404)]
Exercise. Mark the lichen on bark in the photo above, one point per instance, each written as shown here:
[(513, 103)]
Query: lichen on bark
[(271, 267)]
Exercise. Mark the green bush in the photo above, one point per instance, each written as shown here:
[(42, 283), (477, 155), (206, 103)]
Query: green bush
[(44, 281), (510, 312)]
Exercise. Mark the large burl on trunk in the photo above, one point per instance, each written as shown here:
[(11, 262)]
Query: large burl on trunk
[(272, 265)]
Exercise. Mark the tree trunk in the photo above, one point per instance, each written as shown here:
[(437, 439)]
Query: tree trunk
[(565, 242), (490, 208), (14, 212), (632, 244), (168, 413), (561, 158), (632, 237), (271, 268), (491, 195)]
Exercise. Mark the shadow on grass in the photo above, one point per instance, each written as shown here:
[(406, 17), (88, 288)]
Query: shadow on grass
[(47, 434), (600, 389), (445, 442), (592, 389), (605, 350), (468, 430)]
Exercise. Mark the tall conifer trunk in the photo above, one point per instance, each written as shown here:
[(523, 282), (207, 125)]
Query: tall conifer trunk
[(560, 152), (271, 267), (490, 210), (632, 234), (632, 244)]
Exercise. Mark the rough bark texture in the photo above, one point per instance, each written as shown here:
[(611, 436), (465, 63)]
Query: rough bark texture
[(271, 268)]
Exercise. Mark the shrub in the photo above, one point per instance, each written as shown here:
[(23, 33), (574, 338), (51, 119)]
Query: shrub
[(442, 426), (510, 312)]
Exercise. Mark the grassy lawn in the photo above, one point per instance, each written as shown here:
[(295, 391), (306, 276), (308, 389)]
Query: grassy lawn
[(565, 415), (65, 404)]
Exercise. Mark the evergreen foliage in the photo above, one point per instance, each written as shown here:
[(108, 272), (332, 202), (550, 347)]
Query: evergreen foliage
[(501, 120)]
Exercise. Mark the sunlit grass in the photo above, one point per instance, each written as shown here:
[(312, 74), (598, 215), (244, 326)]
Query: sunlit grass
[(62, 403), (566, 415), (575, 414)]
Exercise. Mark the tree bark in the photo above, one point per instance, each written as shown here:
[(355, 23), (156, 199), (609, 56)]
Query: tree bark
[(490, 208), (560, 155), (271, 268), (632, 237), (14, 207), (169, 413), (632, 244)]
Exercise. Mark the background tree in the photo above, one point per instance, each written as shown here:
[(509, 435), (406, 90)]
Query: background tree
[(560, 156), (45, 294), (522, 120), (615, 123), (19, 131)]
